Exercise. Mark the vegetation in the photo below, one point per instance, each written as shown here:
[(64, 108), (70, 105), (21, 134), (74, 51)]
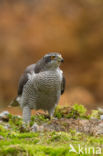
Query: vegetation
[(17, 138)]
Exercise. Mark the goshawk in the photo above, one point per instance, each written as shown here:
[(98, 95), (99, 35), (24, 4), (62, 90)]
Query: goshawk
[(41, 85)]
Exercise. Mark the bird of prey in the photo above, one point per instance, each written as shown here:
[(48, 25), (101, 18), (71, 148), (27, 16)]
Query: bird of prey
[(41, 85)]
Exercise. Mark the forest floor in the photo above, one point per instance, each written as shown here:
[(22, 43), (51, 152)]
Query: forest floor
[(72, 132)]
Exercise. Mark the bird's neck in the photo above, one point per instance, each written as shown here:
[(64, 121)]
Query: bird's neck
[(41, 67)]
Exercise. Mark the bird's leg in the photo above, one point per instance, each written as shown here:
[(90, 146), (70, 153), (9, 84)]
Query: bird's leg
[(26, 114), (51, 113)]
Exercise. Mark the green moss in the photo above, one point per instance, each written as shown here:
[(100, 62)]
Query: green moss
[(35, 150), (2, 129), (46, 143), (95, 114), (80, 109), (16, 141), (76, 111)]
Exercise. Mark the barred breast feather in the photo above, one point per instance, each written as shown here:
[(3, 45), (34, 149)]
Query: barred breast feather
[(42, 90)]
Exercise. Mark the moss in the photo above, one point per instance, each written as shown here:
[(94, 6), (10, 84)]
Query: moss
[(76, 111), (39, 118), (35, 150), (2, 129), (47, 143), (95, 114)]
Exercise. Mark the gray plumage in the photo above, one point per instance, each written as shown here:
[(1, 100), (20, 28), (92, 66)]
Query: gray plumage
[(41, 85)]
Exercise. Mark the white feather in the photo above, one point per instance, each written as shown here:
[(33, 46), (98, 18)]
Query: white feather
[(60, 73), (31, 75)]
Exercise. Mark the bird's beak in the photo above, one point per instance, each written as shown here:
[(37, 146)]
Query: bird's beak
[(61, 59)]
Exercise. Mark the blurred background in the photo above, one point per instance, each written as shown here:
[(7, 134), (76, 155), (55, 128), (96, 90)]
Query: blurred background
[(31, 28)]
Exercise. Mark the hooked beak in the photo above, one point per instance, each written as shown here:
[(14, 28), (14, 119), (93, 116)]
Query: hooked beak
[(61, 59)]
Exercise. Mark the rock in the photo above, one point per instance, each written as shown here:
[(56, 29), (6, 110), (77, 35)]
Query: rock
[(36, 128), (98, 129), (84, 126), (101, 117), (4, 113), (92, 127), (4, 116)]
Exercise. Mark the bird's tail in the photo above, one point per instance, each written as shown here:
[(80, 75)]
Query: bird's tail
[(14, 103)]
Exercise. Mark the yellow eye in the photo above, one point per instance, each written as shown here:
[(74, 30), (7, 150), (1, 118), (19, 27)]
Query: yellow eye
[(52, 57)]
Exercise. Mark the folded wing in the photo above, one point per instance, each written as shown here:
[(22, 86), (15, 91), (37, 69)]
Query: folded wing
[(24, 78), (63, 84)]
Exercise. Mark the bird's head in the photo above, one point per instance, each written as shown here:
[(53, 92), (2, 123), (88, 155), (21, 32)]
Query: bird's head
[(53, 60), (50, 61)]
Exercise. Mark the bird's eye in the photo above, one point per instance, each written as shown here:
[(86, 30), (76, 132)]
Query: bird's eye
[(52, 57)]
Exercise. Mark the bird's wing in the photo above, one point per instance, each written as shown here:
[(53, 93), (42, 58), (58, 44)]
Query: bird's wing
[(63, 84), (24, 78)]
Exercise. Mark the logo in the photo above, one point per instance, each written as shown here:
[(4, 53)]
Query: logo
[(85, 149)]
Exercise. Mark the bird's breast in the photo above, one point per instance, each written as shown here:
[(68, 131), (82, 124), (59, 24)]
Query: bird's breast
[(48, 81)]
